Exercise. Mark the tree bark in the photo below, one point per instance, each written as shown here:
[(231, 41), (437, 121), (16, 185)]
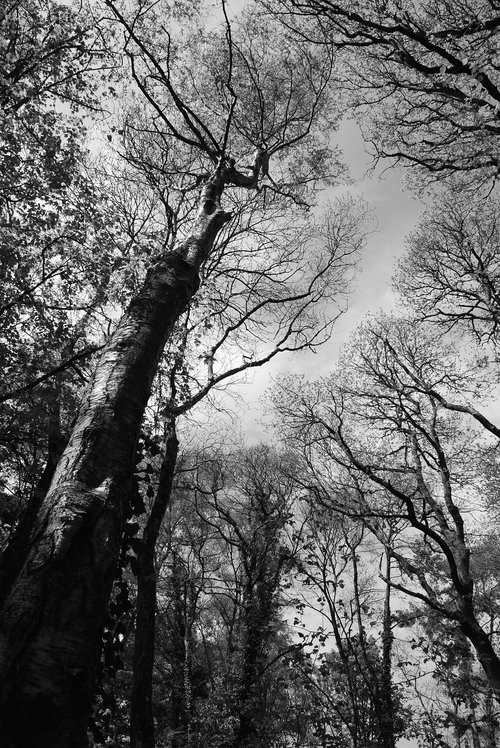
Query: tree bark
[(246, 736), (51, 622), (485, 652), (184, 610), (257, 613), (142, 734), (387, 716)]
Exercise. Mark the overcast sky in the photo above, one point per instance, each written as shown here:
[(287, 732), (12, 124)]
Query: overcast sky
[(395, 212)]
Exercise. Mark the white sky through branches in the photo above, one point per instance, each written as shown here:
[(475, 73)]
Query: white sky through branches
[(393, 212)]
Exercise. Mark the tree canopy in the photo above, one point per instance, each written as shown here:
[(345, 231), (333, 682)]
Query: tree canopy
[(174, 214)]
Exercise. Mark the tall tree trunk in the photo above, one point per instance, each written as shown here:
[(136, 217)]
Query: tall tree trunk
[(246, 736), (340, 642), (387, 716), (490, 729), (258, 609), (489, 706), (184, 610), (141, 717), (51, 622), (188, 685)]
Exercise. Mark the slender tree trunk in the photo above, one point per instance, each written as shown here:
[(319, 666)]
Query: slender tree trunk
[(344, 658), (258, 609), (51, 623), (141, 718), (490, 729), (387, 716), (489, 706), (188, 686), (181, 656), (248, 713), (378, 684)]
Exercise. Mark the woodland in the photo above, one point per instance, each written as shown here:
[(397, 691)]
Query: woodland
[(173, 216)]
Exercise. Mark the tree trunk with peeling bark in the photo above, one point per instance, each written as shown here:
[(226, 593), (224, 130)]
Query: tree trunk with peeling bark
[(51, 622)]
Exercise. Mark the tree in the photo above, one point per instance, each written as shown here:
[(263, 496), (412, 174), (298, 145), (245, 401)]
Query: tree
[(223, 664), (49, 210), (221, 336), (458, 685), (389, 443), (49, 50), (248, 501), (451, 271), (52, 620), (353, 681), (423, 78), (423, 81)]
